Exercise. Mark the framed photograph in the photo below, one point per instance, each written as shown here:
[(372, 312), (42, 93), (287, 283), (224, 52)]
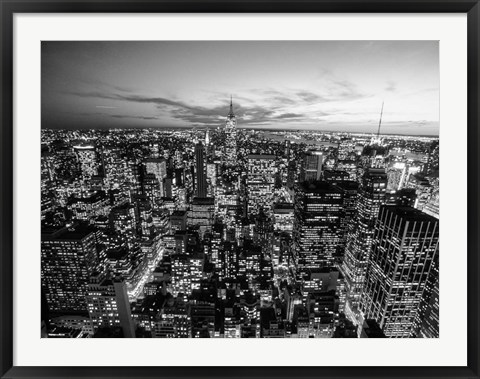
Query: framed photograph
[(240, 189)]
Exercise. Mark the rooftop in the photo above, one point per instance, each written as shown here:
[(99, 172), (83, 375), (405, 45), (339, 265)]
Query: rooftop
[(409, 213), (73, 232)]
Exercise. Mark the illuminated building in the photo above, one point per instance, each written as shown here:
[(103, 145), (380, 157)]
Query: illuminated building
[(200, 171), (423, 189), (145, 218), (211, 178), (88, 206), (187, 272), (324, 280), (405, 197), (228, 260), (349, 190), (231, 138), (68, 258), (157, 167), (249, 247), (108, 305), (312, 166), (181, 280), (123, 219), (113, 167), (317, 230), (260, 182), (283, 216), (293, 297), (396, 176), (281, 246), (232, 325), (173, 321), (201, 213), (227, 202), (263, 229), (371, 196), (85, 153), (214, 246), (74, 322), (151, 188), (404, 254), (125, 263), (47, 180), (348, 166), (322, 308), (429, 327), (335, 176)]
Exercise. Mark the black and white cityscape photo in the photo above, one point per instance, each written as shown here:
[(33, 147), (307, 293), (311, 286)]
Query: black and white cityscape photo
[(240, 189)]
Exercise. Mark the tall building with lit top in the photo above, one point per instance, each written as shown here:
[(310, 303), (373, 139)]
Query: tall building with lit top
[(371, 196), (404, 254), (312, 165), (231, 137)]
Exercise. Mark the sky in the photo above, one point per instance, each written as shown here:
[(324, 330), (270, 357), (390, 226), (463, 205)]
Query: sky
[(307, 85)]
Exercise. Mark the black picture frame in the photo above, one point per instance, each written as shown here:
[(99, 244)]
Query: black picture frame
[(10, 8)]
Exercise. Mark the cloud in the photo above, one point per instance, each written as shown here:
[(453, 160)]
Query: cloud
[(391, 86), (105, 107), (204, 115), (289, 116), (309, 97), (134, 117), (259, 105)]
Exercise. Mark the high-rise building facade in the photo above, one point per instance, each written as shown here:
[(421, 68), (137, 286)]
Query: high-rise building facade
[(108, 305), (404, 254), (312, 165), (200, 171), (69, 257), (86, 156), (157, 167), (260, 182), (371, 196), (317, 227)]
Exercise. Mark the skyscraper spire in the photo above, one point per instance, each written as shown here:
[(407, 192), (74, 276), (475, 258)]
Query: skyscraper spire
[(231, 114), (380, 122), (231, 136)]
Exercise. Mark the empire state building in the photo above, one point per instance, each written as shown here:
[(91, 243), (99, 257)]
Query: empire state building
[(231, 140)]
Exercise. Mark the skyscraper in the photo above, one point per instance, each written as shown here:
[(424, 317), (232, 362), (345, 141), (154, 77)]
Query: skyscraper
[(260, 182), (69, 257), (231, 137), (359, 239), (404, 254), (86, 156), (312, 165), (157, 167), (317, 226), (200, 171), (108, 304)]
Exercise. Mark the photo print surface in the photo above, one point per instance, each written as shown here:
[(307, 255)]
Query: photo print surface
[(240, 189)]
